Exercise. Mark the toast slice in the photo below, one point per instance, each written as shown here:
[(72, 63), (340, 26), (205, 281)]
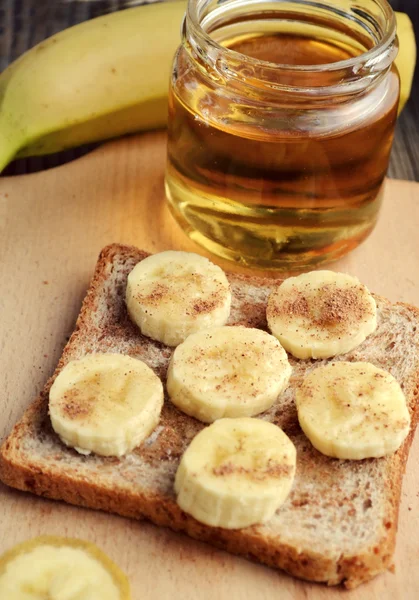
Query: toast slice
[(339, 523)]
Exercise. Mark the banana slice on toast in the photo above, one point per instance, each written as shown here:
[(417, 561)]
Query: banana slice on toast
[(321, 314), (227, 372), (173, 294), (236, 473), (105, 403), (353, 410)]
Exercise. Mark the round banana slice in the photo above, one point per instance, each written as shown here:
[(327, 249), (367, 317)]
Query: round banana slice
[(227, 372), (173, 294), (105, 403), (353, 410), (321, 314), (60, 569), (236, 473)]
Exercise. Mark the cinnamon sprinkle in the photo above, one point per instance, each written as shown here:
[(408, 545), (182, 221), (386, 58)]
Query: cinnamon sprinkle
[(154, 298), (272, 469), (341, 306), (75, 406), (338, 307), (203, 306), (297, 307)]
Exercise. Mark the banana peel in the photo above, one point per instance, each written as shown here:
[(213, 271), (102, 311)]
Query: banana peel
[(108, 77), (99, 79), (406, 59)]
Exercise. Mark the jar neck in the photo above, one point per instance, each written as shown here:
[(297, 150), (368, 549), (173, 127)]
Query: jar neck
[(210, 25)]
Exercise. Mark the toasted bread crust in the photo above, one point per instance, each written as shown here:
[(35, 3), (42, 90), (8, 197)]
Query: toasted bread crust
[(33, 460)]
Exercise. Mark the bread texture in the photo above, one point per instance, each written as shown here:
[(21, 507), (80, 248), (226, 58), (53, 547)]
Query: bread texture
[(339, 522)]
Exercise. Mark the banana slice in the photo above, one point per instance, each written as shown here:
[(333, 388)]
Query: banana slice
[(60, 569), (321, 314), (353, 410), (227, 372), (173, 294), (105, 403), (236, 473)]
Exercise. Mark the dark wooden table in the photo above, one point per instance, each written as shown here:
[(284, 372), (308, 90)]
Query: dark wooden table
[(24, 23), (405, 158)]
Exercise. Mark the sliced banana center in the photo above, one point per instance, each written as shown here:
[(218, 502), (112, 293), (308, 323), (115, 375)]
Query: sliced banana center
[(227, 372), (353, 411), (105, 403), (236, 473), (173, 294), (60, 569), (321, 314)]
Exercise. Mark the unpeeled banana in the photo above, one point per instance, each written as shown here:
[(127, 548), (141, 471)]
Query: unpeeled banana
[(97, 80), (60, 569), (107, 77), (406, 59)]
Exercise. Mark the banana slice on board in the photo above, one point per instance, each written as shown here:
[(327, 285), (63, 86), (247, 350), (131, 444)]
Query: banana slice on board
[(353, 410), (321, 314), (173, 294), (60, 569), (236, 473), (105, 403), (227, 372)]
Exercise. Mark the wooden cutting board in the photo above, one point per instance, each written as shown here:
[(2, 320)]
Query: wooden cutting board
[(52, 227)]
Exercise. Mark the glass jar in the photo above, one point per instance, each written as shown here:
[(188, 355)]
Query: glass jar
[(281, 122)]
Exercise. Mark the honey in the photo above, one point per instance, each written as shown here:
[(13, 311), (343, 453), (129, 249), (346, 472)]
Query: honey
[(278, 160)]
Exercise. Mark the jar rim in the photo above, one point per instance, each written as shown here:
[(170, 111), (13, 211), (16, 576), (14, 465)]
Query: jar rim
[(371, 57)]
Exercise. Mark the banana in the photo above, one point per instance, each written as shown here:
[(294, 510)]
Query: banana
[(107, 77), (321, 314), (60, 569), (236, 473), (105, 403), (406, 59), (96, 80), (353, 411), (172, 294), (227, 372)]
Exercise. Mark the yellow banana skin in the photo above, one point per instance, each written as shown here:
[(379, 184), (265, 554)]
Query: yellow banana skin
[(145, 115), (93, 81), (107, 77), (406, 59)]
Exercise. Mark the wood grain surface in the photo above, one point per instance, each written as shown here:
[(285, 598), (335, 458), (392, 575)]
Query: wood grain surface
[(52, 227)]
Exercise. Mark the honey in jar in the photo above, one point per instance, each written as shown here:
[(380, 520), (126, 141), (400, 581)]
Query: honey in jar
[(281, 123)]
